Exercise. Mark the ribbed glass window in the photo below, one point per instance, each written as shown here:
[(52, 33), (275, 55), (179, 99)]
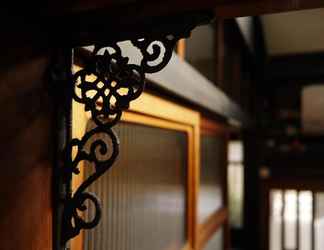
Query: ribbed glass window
[(235, 183), (216, 242), (212, 162), (144, 194)]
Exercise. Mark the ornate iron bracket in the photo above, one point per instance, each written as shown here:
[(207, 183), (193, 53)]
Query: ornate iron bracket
[(114, 82)]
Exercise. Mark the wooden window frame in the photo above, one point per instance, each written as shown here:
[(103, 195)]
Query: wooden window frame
[(219, 219), (156, 112), (181, 49)]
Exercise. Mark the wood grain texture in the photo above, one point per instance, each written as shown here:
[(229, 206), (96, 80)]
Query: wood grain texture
[(25, 146)]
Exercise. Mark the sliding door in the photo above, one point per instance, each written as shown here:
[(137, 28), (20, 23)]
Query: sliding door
[(212, 199), (148, 196)]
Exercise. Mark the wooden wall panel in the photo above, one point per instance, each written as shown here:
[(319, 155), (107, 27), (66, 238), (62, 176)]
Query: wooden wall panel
[(25, 179)]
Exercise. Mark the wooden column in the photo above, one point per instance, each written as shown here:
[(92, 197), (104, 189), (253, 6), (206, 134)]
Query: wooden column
[(25, 146)]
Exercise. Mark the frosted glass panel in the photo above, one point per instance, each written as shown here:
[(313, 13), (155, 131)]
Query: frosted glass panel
[(235, 151), (216, 241), (290, 219), (319, 221), (235, 183), (144, 193), (275, 219), (235, 191), (287, 208), (305, 200), (210, 191)]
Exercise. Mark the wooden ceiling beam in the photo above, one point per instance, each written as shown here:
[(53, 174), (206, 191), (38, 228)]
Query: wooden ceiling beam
[(223, 8), (297, 69), (81, 20), (259, 7)]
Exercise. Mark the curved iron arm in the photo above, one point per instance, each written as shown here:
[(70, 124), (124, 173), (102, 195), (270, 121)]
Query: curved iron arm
[(115, 83)]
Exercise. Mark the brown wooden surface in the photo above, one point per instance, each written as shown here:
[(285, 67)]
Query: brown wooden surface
[(213, 223), (181, 49), (224, 8), (76, 22), (25, 141), (210, 127)]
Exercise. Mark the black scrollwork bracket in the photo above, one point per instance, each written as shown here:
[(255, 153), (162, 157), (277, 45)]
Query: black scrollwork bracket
[(108, 77)]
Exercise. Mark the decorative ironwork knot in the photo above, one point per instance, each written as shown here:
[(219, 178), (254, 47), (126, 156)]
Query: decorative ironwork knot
[(105, 86)]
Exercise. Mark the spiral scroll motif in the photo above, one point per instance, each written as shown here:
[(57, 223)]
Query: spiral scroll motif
[(113, 84)]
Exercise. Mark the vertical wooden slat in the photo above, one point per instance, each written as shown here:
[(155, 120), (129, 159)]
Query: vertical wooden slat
[(194, 175), (181, 48)]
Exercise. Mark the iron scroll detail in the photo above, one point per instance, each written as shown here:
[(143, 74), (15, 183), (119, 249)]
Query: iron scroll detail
[(108, 79), (105, 86)]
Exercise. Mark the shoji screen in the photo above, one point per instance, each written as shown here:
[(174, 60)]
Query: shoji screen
[(148, 195), (212, 208)]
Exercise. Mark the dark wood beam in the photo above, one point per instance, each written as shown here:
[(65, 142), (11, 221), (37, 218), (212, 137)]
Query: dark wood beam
[(257, 7), (301, 68), (223, 8), (60, 18)]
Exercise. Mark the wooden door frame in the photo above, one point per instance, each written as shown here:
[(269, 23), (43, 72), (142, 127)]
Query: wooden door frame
[(156, 112)]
